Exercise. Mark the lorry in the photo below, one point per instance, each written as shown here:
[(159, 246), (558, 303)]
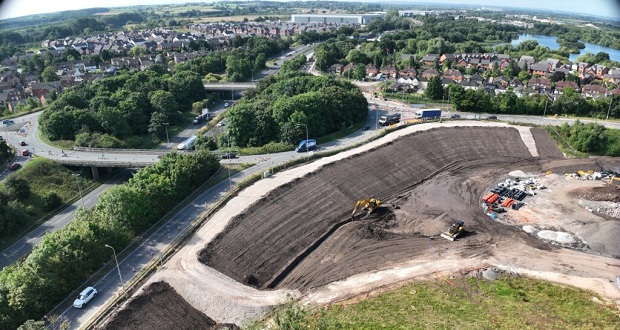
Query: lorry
[(389, 119), (188, 144), (428, 114), (206, 116), (306, 145)]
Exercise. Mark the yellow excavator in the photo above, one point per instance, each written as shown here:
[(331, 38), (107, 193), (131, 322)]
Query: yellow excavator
[(611, 181), (368, 205), (455, 230)]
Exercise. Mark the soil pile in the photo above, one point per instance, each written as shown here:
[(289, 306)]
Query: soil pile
[(160, 307)]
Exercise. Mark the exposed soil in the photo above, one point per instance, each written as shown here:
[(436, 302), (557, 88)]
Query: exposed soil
[(426, 180), (159, 306), (299, 238)]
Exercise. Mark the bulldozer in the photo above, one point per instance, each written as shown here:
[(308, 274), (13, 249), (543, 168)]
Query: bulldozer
[(368, 205), (455, 230)]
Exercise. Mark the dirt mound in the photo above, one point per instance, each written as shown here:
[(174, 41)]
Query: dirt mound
[(260, 244), (160, 307), (601, 194)]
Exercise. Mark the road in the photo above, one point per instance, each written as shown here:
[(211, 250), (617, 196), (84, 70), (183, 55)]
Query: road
[(22, 247), (151, 247)]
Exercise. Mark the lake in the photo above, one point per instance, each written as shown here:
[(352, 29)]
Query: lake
[(551, 42)]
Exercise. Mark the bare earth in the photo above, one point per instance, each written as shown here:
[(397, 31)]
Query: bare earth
[(293, 234)]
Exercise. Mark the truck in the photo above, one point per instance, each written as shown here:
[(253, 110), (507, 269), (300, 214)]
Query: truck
[(428, 114), (188, 144), (203, 117), (306, 145), (389, 119)]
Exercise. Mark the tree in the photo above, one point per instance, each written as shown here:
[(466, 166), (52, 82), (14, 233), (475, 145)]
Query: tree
[(16, 188), (49, 74), (434, 90), (51, 201)]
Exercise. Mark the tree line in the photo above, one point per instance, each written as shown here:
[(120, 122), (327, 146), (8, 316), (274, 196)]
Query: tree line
[(65, 258)]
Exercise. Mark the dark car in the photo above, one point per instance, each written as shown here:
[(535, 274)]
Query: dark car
[(22, 143), (229, 155), (365, 127), (13, 166), (492, 117)]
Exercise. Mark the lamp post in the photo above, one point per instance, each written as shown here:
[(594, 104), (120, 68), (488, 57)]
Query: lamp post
[(306, 135), (80, 189), (545, 112), (117, 268), (167, 139), (609, 109)]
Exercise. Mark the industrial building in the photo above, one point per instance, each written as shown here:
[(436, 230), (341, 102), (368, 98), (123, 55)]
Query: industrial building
[(335, 18)]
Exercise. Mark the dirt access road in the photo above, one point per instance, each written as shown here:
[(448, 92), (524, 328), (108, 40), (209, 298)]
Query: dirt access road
[(292, 233)]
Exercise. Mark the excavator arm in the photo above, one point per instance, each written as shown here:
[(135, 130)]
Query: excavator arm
[(358, 204)]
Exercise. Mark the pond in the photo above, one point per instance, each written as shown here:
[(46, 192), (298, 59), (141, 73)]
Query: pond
[(552, 43)]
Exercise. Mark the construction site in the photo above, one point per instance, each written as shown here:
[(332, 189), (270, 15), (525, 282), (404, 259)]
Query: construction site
[(427, 200)]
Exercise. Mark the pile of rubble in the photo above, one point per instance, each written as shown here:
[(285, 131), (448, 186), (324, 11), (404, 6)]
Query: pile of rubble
[(509, 194)]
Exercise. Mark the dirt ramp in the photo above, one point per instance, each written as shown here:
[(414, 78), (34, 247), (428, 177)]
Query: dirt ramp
[(545, 145), (161, 307), (259, 244)]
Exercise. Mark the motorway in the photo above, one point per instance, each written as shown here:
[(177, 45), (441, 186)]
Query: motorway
[(110, 283)]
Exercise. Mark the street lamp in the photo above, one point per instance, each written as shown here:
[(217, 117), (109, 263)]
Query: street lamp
[(609, 109), (80, 189), (117, 268), (167, 139), (306, 135)]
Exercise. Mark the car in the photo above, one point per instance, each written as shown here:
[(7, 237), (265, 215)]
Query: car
[(85, 296), (1, 138), (455, 116), (8, 122), (226, 105), (365, 127), (492, 117), (229, 155), (22, 143), (221, 124), (25, 152), (13, 166)]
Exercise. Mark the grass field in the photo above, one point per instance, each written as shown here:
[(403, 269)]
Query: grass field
[(509, 303)]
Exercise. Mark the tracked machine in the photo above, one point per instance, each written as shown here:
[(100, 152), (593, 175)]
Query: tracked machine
[(454, 231), (367, 205)]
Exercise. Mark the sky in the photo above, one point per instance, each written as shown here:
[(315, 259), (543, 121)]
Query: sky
[(17, 8)]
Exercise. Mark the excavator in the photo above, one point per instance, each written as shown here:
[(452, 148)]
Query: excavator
[(368, 205), (455, 230), (611, 181)]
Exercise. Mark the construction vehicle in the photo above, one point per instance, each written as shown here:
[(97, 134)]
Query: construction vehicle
[(368, 205), (455, 230), (612, 179)]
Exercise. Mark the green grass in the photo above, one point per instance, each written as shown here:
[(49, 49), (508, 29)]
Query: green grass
[(43, 177), (509, 303)]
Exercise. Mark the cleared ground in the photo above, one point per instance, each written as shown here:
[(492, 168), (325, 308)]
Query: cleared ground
[(299, 239)]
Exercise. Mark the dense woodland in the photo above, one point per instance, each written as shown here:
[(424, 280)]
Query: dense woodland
[(67, 257), (279, 109)]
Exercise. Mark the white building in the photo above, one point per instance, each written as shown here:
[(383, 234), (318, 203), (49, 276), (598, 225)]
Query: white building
[(335, 18)]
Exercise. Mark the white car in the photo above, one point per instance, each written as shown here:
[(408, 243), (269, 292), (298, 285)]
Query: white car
[(226, 105), (85, 296)]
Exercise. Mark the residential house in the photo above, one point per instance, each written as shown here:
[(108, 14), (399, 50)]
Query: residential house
[(335, 68), (454, 75), (540, 84), (430, 59), (371, 70), (593, 90), (430, 72), (561, 85), (407, 72), (389, 71), (525, 62), (447, 57)]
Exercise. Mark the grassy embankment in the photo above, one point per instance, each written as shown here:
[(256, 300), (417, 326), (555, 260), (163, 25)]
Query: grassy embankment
[(44, 177), (509, 303)]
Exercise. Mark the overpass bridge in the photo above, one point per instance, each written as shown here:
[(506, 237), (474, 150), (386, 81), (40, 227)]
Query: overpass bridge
[(230, 86)]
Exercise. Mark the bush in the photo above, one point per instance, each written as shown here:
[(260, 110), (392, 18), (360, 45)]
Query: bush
[(51, 201)]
